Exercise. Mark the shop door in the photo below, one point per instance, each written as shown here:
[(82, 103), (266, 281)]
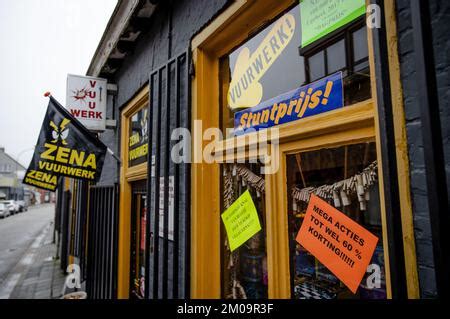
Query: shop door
[(138, 240)]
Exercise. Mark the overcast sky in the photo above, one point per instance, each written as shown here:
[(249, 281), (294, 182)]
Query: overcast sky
[(41, 41)]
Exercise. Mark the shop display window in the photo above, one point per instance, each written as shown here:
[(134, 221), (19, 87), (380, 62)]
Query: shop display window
[(244, 271), (346, 178), (346, 51)]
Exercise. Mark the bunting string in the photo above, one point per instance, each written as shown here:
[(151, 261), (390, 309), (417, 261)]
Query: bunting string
[(340, 192)]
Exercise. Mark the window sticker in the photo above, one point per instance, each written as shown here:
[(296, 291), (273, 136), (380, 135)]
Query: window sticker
[(245, 88)]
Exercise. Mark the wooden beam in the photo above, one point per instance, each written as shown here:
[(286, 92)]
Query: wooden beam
[(116, 25)]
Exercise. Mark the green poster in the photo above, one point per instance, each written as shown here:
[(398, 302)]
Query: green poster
[(241, 221), (321, 17)]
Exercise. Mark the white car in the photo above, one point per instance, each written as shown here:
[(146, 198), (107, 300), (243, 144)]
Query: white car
[(4, 210), (12, 205), (23, 207)]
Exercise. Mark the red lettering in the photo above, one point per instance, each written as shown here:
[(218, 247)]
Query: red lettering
[(92, 94), (86, 114), (93, 83), (75, 113), (92, 105)]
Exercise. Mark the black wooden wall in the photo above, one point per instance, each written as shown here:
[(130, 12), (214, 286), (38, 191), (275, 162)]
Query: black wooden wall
[(168, 183)]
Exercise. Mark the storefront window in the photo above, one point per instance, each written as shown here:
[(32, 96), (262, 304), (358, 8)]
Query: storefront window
[(138, 140), (345, 177), (272, 63), (268, 67), (244, 271)]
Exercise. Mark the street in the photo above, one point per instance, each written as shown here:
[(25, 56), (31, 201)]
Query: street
[(21, 236)]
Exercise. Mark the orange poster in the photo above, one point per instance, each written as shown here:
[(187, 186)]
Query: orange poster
[(342, 245)]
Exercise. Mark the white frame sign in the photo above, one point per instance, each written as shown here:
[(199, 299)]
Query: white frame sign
[(86, 99)]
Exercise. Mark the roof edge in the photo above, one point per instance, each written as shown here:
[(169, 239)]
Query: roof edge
[(116, 25)]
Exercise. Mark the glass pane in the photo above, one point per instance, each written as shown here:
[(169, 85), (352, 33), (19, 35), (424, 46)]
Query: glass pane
[(360, 49), (357, 84), (327, 168), (138, 140), (336, 57), (317, 66), (362, 66), (244, 271)]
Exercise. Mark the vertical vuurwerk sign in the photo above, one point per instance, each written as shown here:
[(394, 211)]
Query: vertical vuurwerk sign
[(86, 101), (64, 148)]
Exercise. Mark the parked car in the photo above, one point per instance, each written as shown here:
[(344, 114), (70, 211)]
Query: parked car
[(23, 207), (12, 205), (4, 210)]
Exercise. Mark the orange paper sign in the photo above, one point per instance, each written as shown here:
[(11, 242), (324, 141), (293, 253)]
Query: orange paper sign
[(342, 245)]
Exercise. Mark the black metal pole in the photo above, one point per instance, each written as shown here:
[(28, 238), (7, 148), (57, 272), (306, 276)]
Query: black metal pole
[(438, 204)]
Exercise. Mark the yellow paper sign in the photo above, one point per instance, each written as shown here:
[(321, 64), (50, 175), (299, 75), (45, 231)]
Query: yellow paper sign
[(241, 221)]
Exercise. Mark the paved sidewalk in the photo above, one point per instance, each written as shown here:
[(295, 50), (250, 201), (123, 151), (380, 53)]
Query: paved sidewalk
[(40, 274)]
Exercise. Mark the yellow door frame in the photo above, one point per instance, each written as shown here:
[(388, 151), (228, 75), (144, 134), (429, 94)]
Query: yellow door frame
[(345, 126), (127, 176)]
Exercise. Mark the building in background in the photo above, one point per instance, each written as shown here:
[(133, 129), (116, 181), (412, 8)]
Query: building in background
[(152, 228), (11, 174)]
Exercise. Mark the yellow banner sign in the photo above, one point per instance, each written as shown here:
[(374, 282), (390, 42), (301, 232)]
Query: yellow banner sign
[(41, 179)]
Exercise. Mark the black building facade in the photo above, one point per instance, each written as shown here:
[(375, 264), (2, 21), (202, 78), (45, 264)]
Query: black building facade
[(155, 224)]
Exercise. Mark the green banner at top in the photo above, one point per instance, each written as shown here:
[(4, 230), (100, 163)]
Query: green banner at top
[(321, 17)]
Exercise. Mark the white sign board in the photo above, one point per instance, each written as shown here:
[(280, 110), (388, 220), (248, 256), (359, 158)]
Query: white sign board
[(86, 100)]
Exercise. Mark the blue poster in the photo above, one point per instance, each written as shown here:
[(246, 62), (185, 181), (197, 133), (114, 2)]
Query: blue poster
[(318, 97)]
